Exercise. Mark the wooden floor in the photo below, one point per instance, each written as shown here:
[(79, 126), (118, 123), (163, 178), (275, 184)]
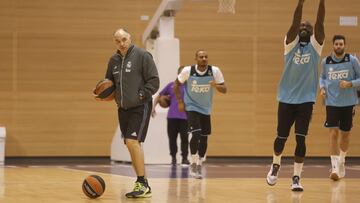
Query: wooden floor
[(224, 183)]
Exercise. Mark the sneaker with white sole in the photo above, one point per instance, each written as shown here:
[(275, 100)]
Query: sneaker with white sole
[(334, 175), (296, 186), (272, 176), (341, 169), (185, 162), (141, 190), (192, 170), (198, 172)]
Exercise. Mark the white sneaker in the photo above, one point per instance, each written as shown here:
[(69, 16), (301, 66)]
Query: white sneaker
[(272, 176), (198, 172), (192, 170), (334, 175), (296, 186), (341, 169)]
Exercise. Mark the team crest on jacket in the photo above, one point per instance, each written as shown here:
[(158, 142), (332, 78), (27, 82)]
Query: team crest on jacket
[(128, 67)]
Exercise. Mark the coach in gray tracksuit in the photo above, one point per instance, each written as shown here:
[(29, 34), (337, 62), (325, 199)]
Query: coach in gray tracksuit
[(134, 76), (136, 79)]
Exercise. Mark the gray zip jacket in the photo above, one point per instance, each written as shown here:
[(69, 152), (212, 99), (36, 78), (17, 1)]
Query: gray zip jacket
[(134, 76)]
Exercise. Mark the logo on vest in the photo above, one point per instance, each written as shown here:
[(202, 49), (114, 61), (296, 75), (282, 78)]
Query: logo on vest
[(200, 88), (301, 59), (338, 75)]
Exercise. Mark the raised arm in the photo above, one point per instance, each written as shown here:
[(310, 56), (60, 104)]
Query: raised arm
[(294, 29), (319, 25)]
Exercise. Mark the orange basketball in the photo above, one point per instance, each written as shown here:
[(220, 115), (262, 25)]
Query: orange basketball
[(164, 101), (105, 90), (93, 186)]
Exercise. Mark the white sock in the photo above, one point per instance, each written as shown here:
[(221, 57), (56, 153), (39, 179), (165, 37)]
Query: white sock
[(276, 159), (194, 158), (298, 169), (342, 156), (334, 160)]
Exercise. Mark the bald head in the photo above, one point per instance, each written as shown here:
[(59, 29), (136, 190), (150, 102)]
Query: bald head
[(122, 40), (121, 32), (305, 31)]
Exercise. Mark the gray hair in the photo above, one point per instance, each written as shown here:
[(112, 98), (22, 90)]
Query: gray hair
[(118, 31)]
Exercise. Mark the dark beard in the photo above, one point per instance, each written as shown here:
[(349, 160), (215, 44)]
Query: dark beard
[(339, 52), (304, 36), (305, 39)]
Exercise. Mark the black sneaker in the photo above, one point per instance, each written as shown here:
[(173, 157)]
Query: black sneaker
[(173, 161), (141, 190), (296, 186), (185, 162)]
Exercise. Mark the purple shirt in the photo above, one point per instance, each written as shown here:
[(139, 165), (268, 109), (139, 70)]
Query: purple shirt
[(173, 111)]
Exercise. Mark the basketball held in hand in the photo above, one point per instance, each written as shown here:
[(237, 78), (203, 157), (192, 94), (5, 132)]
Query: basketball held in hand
[(105, 90), (164, 101)]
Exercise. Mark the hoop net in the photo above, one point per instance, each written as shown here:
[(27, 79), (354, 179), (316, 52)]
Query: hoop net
[(227, 6)]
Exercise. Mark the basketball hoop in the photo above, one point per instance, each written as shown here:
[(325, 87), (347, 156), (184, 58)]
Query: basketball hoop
[(227, 6)]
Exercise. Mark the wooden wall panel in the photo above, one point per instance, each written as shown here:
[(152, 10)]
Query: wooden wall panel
[(262, 25), (6, 58), (52, 53)]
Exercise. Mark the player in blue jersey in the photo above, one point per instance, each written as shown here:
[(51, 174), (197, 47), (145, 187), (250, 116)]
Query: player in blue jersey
[(200, 80), (297, 89), (339, 79)]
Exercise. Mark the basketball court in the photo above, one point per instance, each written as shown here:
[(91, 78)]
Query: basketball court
[(53, 52), (225, 180)]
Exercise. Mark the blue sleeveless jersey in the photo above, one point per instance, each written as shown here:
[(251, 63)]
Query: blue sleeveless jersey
[(299, 79), (332, 71), (198, 92)]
